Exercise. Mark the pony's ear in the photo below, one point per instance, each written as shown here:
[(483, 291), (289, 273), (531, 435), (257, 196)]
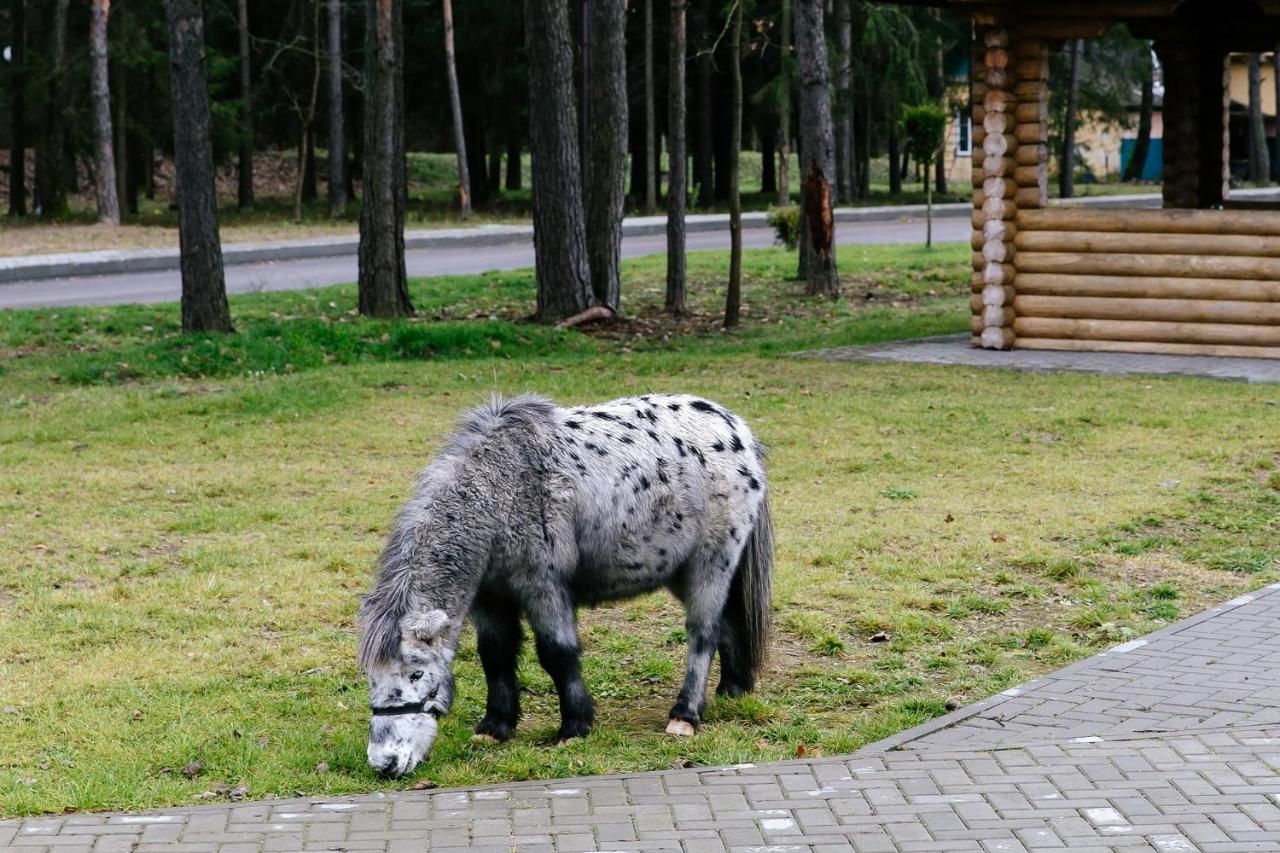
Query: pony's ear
[(424, 627)]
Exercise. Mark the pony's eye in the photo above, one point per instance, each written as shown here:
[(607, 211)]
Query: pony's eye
[(416, 676)]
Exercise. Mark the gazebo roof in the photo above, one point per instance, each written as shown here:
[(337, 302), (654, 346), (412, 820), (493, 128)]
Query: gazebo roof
[(1239, 24)]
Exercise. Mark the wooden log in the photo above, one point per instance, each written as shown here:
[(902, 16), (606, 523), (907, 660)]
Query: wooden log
[(1247, 222), (975, 303), (1220, 350), (975, 281), (979, 175), (979, 116), (975, 341), (1160, 266), (1030, 91), (1236, 334), (998, 123), (998, 252), (998, 166), (1130, 287), (994, 315), (1031, 112), (1165, 310), (994, 187), (1095, 242), (1030, 48), (977, 260), (976, 218), (979, 135), (999, 274), (1000, 78), (978, 197), (999, 229), (997, 37), (999, 101), (1031, 155), (997, 337), (1031, 134), (995, 294), (976, 240), (1031, 197), (995, 57), (1029, 176), (1031, 69), (998, 208), (998, 144)]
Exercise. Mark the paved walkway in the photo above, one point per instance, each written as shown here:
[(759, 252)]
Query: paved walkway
[(955, 349), (1166, 744)]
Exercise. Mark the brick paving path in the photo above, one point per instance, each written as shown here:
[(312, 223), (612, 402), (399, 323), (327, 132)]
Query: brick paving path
[(1166, 744), (955, 349)]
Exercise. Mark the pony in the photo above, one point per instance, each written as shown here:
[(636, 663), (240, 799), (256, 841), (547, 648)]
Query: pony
[(533, 510)]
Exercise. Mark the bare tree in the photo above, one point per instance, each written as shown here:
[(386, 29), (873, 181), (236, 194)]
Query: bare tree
[(245, 190), (100, 94), (18, 111), (1259, 156), (559, 233), (383, 284), (455, 104), (844, 106), (51, 173), (337, 121), (650, 133), (677, 162), (817, 149), (1138, 159), (307, 120), (784, 110), (606, 101), (1067, 161), (733, 294), (204, 288)]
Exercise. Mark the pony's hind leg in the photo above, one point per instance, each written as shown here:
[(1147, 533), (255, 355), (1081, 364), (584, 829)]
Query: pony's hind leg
[(498, 636), (704, 591), (556, 638), (736, 677)]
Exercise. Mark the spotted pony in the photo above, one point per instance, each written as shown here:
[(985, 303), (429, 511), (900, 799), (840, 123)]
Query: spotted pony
[(534, 510)]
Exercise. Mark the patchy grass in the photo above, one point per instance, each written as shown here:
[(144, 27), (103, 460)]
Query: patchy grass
[(185, 546)]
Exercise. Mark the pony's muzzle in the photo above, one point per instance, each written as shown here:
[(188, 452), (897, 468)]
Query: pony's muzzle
[(398, 744)]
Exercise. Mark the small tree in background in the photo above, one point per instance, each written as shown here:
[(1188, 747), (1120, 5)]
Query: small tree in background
[(923, 127)]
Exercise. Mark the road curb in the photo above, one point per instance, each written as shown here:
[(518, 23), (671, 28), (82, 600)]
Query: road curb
[(115, 262)]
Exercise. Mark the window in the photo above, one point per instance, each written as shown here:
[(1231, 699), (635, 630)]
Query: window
[(964, 132)]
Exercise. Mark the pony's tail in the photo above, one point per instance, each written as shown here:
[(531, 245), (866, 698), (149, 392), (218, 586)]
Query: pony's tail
[(750, 602)]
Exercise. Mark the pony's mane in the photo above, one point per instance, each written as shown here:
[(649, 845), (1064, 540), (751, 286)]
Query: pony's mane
[(392, 595)]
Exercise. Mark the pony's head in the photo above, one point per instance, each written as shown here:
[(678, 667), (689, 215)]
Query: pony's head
[(410, 688)]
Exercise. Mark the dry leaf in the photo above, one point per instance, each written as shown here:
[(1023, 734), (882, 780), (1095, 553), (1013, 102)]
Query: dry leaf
[(137, 715), (239, 792), (322, 767), (996, 537), (801, 752), (423, 785), (681, 764), (193, 769), (949, 518)]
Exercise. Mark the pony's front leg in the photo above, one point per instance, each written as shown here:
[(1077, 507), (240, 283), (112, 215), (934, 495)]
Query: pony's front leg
[(498, 637), (556, 637)]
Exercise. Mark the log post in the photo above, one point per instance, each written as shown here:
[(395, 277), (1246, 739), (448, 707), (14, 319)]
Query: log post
[(1196, 100), (995, 106)]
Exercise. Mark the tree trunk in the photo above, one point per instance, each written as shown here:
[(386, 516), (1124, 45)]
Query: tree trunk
[(100, 94), (733, 295), (768, 130), (244, 193), (18, 111), (1067, 162), (844, 111), (515, 169), (306, 188), (784, 110), (495, 167), (559, 235), (895, 158), (337, 123), (862, 146), (606, 183), (384, 290), (677, 162), (1138, 159), (703, 155), (455, 106), (204, 290), (120, 146), (817, 148), (51, 171), (473, 118), (650, 131), (1275, 73), (940, 85), (1259, 157)]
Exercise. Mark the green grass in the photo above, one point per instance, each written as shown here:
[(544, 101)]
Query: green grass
[(186, 540)]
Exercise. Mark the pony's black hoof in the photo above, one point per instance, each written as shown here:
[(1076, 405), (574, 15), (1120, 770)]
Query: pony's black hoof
[(569, 731), (500, 732)]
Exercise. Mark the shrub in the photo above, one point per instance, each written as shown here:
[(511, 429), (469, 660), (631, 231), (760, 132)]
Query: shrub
[(785, 222)]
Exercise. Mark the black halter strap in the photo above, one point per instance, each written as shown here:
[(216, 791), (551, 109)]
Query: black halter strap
[(407, 708)]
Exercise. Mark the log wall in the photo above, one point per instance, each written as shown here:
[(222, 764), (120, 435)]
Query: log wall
[(1165, 281)]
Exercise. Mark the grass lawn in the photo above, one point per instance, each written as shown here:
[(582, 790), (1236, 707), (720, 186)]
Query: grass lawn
[(189, 522)]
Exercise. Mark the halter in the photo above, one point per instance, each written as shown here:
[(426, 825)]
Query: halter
[(407, 708)]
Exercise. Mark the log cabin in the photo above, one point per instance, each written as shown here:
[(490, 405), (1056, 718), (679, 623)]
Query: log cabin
[(1201, 275)]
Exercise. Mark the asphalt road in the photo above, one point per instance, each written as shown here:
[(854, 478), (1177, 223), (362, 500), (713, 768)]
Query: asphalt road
[(296, 275)]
